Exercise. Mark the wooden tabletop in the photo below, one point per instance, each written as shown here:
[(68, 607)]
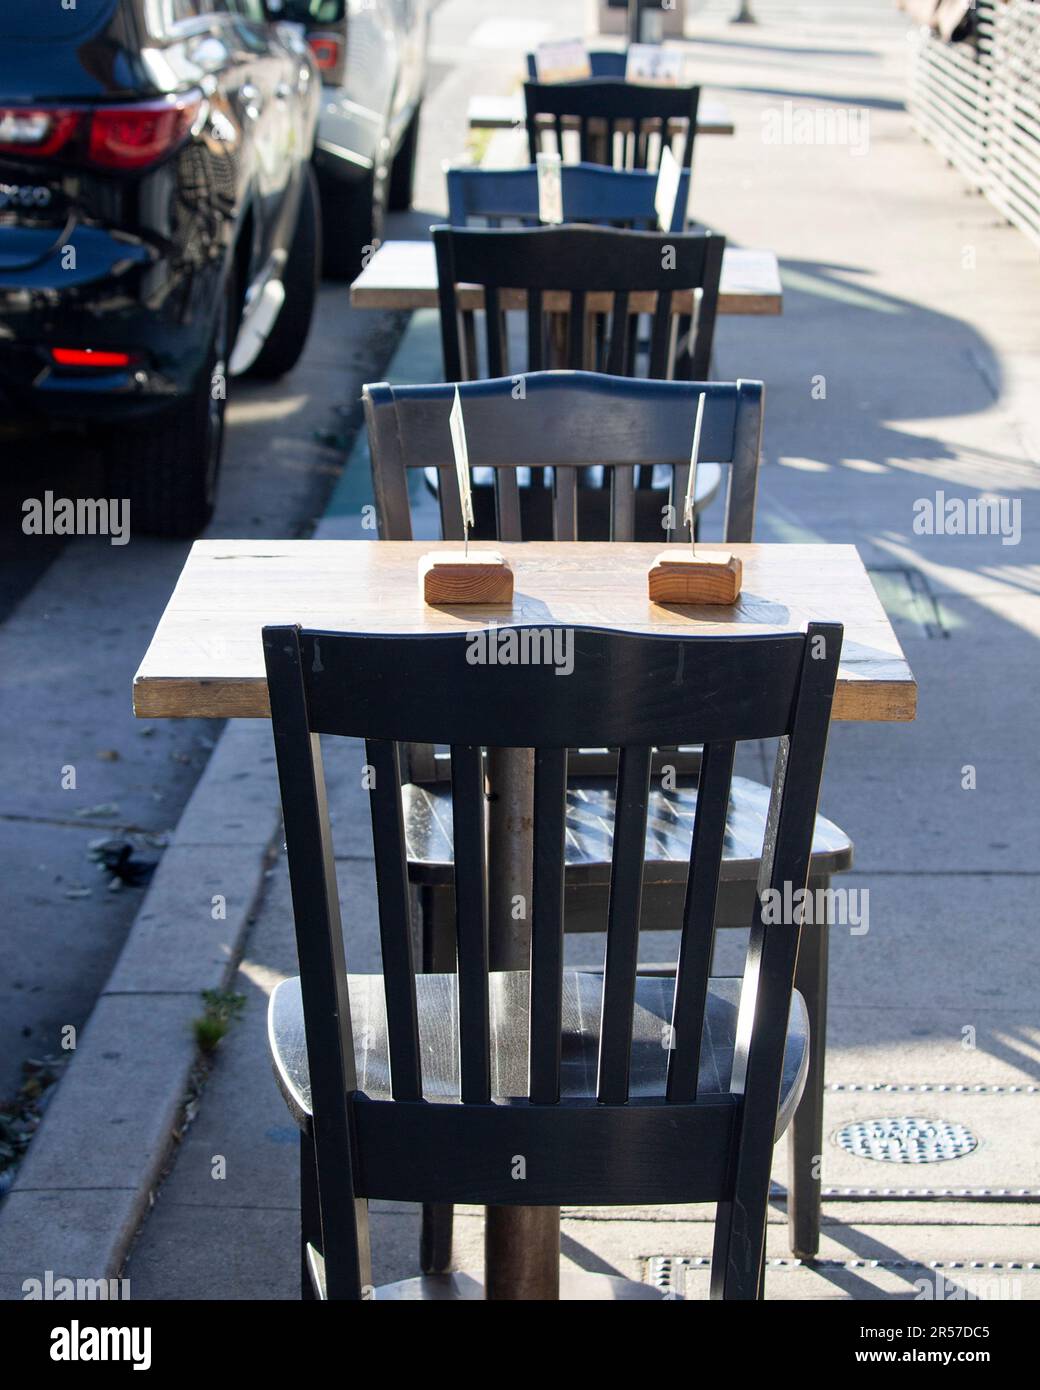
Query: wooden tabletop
[(206, 660), (403, 275), (503, 112)]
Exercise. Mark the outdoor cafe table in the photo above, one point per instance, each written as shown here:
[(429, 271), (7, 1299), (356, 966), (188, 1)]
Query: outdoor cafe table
[(206, 661), (403, 275)]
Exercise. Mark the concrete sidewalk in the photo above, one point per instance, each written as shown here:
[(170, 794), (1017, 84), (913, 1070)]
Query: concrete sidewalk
[(906, 363)]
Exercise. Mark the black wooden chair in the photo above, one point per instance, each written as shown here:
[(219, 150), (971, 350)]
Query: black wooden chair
[(584, 430), (592, 266), (602, 108), (423, 1088), (578, 423)]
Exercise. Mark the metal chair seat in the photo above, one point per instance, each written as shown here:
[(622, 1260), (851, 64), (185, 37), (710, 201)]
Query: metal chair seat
[(590, 818), (437, 999)]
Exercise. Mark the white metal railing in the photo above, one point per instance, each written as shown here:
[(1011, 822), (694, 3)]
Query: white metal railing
[(978, 103)]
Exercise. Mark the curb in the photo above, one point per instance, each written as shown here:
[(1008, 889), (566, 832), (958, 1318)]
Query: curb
[(85, 1184)]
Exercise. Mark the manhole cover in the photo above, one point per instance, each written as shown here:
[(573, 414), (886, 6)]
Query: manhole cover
[(906, 1139)]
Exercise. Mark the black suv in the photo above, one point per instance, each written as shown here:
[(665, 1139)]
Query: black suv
[(159, 226)]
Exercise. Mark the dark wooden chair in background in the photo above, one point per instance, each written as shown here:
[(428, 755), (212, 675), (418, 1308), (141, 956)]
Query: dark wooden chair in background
[(586, 428), (577, 423), (596, 271), (641, 117), (618, 1090)]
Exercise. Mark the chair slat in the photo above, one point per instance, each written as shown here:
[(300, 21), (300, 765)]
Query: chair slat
[(626, 890), (507, 505), (451, 504), (471, 922), (698, 931), (676, 499), (535, 331), (622, 503), (395, 928), (661, 335), (493, 326), (576, 334), (565, 503), (546, 1019), (470, 359), (618, 354)]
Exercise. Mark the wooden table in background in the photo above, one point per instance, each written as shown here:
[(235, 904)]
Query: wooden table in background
[(403, 275), (206, 661)]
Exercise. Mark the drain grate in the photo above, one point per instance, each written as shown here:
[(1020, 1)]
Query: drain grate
[(906, 1139), (669, 1272)]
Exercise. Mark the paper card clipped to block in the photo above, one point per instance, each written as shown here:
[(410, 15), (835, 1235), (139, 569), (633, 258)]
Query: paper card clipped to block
[(690, 500), (563, 60), (457, 425), (650, 63), (456, 576), (669, 175), (550, 188)]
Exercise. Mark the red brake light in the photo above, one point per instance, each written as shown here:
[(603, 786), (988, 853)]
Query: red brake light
[(89, 357), (129, 137), (326, 51), (24, 130)]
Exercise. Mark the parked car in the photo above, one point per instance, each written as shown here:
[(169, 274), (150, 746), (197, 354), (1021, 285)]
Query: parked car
[(159, 227), (372, 59)]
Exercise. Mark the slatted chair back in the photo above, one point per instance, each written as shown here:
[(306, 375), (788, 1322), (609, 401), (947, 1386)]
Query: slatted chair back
[(603, 1148), (591, 193), (571, 422), (602, 108), (590, 274)]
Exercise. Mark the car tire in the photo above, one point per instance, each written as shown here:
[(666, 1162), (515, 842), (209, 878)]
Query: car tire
[(402, 171), (352, 219), (288, 337), (168, 470)]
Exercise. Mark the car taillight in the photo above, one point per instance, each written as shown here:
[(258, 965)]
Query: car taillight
[(116, 137), (35, 132), (90, 357), (129, 137), (326, 51)]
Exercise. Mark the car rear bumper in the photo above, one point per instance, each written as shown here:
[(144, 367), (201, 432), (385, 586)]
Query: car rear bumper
[(108, 292)]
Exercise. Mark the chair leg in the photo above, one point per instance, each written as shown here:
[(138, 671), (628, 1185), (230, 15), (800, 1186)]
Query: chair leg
[(310, 1214), (805, 1138), (438, 956), (733, 1276)]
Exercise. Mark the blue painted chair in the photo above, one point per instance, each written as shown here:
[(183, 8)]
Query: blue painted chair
[(605, 62), (591, 193)]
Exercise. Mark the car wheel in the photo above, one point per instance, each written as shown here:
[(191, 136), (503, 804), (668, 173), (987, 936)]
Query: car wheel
[(352, 219), (168, 470), (286, 340), (402, 171)]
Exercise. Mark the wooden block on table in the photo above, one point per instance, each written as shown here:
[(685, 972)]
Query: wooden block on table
[(452, 576), (711, 577)]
